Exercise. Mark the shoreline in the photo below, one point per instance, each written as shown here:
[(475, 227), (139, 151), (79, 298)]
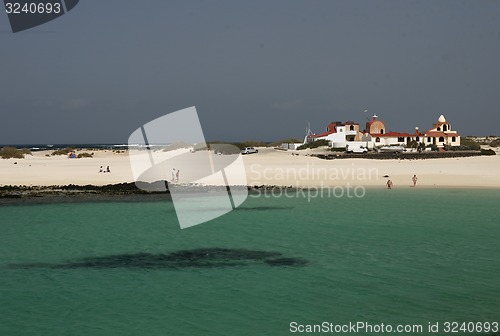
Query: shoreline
[(128, 192)]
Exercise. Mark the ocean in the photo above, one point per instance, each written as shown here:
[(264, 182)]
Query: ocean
[(277, 265)]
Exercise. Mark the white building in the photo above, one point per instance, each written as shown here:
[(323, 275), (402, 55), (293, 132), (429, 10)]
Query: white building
[(441, 134), (340, 135), (375, 134)]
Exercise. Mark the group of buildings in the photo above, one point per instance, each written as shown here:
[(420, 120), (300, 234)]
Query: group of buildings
[(342, 134)]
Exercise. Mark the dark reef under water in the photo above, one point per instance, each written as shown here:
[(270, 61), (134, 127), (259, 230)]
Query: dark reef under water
[(195, 258)]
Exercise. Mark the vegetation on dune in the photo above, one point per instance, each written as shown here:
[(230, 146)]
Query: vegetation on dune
[(257, 143), (279, 142), (85, 155), (250, 143), (14, 153), (226, 149), (64, 151), (315, 144), (469, 144), (495, 143)]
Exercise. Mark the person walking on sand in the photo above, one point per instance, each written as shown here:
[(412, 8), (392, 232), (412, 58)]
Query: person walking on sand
[(173, 174), (389, 184), (107, 169), (177, 176), (414, 179), (100, 170)]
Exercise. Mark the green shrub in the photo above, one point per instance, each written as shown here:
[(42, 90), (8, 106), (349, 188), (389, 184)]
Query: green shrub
[(487, 152), (14, 153), (84, 155), (432, 147), (250, 143), (64, 151), (413, 144), (340, 149), (469, 144), (226, 149), (315, 144)]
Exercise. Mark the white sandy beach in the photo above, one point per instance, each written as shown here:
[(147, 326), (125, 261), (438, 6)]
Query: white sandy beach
[(268, 167)]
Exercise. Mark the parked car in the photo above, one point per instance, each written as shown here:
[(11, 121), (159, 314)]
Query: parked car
[(391, 149), (249, 150)]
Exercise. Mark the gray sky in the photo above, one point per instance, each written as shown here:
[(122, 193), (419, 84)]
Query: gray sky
[(257, 69)]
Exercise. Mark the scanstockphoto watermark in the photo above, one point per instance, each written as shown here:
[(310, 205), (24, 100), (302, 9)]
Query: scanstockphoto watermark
[(172, 148), (311, 172), (310, 193), (311, 181)]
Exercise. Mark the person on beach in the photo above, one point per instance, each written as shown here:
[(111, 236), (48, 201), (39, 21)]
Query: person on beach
[(107, 170), (173, 174), (389, 184), (100, 170), (414, 179), (177, 176)]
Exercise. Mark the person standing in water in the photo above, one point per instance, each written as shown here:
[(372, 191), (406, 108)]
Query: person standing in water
[(389, 184), (414, 179)]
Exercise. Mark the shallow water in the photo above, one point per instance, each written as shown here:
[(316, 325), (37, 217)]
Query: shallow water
[(394, 257)]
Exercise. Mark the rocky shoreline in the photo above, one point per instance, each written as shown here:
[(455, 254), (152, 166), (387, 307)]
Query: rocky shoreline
[(113, 192)]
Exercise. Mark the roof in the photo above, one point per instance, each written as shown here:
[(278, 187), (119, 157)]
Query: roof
[(320, 135), (373, 120), (332, 127)]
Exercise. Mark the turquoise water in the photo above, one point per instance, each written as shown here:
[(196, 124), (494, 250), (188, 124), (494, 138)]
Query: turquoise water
[(393, 257)]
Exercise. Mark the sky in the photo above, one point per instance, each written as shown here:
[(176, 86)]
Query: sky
[(255, 70)]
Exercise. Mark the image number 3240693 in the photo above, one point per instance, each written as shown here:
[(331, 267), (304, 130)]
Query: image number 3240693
[(26, 14)]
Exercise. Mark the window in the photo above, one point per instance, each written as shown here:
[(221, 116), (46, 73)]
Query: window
[(377, 140), (417, 139), (429, 139), (444, 128), (441, 139), (453, 139), (351, 128), (401, 139), (439, 128), (408, 139), (382, 131)]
